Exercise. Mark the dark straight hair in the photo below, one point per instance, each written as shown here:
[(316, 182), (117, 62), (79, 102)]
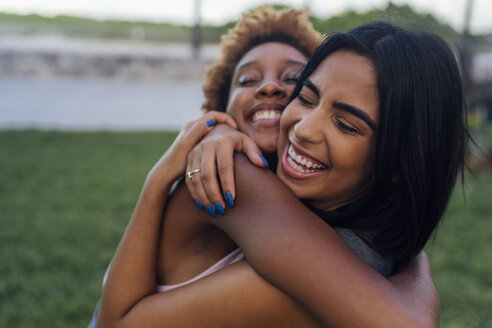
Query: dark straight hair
[(420, 141)]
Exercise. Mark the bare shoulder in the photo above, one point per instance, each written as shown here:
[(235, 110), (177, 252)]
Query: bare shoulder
[(188, 245), (241, 298), (255, 181)]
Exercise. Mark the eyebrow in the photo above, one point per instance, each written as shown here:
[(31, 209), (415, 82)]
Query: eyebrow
[(343, 106), (356, 112), (253, 62), (309, 84)]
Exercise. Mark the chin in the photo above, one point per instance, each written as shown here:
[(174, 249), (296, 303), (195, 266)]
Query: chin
[(267, 145), (268, 148)]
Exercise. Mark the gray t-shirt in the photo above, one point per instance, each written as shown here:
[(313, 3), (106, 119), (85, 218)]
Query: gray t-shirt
[(367, 254)]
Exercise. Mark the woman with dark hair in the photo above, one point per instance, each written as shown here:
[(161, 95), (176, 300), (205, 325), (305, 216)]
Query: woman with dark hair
[(330, 152)]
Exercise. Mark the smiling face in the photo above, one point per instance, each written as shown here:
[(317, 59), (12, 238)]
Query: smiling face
[(260, 88), (328, 133)]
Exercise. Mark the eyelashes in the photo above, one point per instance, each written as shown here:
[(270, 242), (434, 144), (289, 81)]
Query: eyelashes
[(292, 80), (246, 82), (249, 79), (304, 100), (345, 128)]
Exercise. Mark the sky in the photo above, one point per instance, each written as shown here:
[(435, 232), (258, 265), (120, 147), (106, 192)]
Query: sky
[(220, 11)]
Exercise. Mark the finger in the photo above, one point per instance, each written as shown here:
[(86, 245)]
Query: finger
[(253, 152), (209, 176), (196, 130), (201, 194), (192, 133), (219, 117), (194, 184), (189, 185), (225, 170)]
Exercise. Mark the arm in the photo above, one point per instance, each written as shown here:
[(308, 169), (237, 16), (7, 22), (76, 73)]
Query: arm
[(414, 286), (234, 297), (301, 255), (415, 283), (132, 273)]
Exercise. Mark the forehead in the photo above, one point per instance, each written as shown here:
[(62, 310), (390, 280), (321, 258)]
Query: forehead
[(350, 78), (272, 52)]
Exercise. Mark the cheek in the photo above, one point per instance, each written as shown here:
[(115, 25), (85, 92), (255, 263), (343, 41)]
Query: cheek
[(289, 88), (354, 155), (287, 117), (238, 102)]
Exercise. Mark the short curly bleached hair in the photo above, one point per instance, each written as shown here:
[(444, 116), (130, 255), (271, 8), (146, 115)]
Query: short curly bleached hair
[(263, 24)]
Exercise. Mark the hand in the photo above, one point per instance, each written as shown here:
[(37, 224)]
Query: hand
[(173, 163), (214, 154)]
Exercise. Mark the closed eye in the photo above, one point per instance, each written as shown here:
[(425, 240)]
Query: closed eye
[(246, 82), (292, 80), (303, 100), (346, 128)]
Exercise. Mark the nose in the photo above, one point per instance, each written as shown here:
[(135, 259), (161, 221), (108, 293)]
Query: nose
[(307, 129), (271, 88)]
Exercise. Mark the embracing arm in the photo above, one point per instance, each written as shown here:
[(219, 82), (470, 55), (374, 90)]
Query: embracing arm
[(233, 297), (300, 254)]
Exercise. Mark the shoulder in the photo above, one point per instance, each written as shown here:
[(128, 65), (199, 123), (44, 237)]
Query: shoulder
[(384, 266), (253, 180)]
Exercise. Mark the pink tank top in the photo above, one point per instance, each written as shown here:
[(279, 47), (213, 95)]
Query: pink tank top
[(232, 257)]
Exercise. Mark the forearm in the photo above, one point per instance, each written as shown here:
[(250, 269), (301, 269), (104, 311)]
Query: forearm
[(233, 297), (297, 252), (132, 272)]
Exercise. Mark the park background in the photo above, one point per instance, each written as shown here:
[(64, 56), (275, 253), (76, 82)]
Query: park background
[(88, 104)]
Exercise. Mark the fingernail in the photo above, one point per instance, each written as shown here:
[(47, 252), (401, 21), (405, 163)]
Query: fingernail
[(264, 161), (210, 123), (199, 205), (219, 208), (229, 199), (210, 210)]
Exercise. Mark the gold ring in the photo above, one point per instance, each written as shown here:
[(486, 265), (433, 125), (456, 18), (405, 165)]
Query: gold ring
[(190, 173)]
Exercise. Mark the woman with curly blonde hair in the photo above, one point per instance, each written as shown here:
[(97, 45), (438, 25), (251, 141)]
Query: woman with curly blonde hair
[(252, 81)]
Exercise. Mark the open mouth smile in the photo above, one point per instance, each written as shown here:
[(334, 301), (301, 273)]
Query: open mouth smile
[(266, 114), (300, 166)]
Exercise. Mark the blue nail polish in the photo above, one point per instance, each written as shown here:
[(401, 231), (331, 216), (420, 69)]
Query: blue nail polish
[(264, 161), (229, 199), (199, 205), (210, 210), (219, 208), (210, 123)]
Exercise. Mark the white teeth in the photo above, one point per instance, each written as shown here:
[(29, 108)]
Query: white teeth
[(298, 167), (298, 162), (266, 115)]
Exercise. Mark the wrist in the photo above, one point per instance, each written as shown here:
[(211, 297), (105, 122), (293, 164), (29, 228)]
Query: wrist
[(163, 174)]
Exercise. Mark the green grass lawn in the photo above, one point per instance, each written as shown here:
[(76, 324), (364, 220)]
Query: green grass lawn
[(65, 199)]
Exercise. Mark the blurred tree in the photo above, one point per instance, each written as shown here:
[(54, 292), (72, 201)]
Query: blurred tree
[(402, 15)]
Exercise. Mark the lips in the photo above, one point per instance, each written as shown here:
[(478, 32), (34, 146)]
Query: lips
[(266, 114), (300, 166)]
